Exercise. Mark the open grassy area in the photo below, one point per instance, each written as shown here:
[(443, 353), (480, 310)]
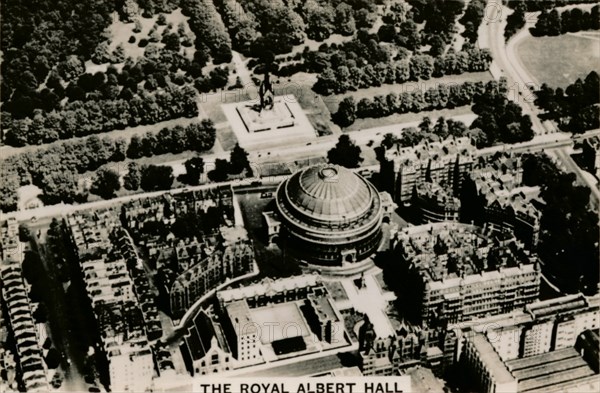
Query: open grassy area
[(363, 124), (551, 59)]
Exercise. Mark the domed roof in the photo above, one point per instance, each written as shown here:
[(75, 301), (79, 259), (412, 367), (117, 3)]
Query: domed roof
[(329, 193)]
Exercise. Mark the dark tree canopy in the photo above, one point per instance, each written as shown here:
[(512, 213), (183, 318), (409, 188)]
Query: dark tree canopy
[(238, 161), (194, 167), (131, 180), (345, 153), (156, 177), (106, 182), (569, 227)]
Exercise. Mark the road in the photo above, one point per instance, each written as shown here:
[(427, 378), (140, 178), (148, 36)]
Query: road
[(521, 82), (60, 323), (44, 214)]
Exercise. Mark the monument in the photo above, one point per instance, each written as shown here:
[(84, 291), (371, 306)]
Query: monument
[(270, 113), (269, 120), (266, 94)]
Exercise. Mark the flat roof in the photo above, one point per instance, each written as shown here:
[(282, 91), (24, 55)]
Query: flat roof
[(279, 321)]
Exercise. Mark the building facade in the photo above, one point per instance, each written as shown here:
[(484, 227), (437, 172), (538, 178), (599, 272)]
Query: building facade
[(464, 273), (233, 261), (496, 197), (432, 203), (15, 296), (537, 328), (445, 163)]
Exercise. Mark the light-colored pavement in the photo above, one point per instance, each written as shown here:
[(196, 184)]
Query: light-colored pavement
[(371, 301)]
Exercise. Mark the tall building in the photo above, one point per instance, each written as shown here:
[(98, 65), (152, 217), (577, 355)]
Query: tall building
[(386, 356), (563, 370), (205, 349), (277, 319), (458, 272), (329, 215), (445, 163), (195, 241), (537, 328), (433, 203)]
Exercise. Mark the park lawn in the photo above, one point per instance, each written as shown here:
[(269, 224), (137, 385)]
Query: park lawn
[(226, 137), (120, 33), (300, 85), (363, 124), (559, 61), (333, 101)]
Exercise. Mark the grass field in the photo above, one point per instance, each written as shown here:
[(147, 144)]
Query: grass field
[(363, 124), (552, 59)]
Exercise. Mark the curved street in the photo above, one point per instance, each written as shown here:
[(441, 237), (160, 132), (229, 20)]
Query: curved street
[(507, 64)]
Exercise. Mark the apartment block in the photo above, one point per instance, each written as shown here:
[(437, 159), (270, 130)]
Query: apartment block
[(464, 271), (445, 163)]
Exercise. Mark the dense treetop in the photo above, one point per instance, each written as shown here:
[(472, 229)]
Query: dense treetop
[(574, 108)]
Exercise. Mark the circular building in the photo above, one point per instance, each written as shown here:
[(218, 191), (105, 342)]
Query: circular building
[(329, 215)]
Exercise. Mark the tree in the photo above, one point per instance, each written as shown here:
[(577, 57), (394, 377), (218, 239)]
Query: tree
[(60, 187), (135, 147), (319, 20), (106, 182), (220, 173), (345, 153), (408, 35), (344, 20), (239, 161), (194, 167), (171, 42), (346, 113), (129, 11), (131, 180), (156, 177), (219, 77)]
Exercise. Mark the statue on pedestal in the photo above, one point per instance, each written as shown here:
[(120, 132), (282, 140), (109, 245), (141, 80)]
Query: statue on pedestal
[(266, 94)]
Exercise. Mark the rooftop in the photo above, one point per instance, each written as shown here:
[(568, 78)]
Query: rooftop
[(558, 305), (444, 150), (545, 371), (453, 251), (269, 285), (279, 321), (328, 193)]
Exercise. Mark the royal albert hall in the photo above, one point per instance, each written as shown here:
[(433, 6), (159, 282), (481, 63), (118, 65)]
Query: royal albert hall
[(329, 215)]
